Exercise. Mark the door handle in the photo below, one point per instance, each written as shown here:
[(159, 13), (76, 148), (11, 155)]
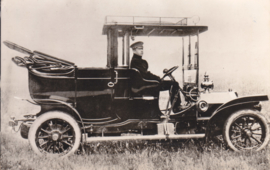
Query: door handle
[(111, 84), (116, 77)]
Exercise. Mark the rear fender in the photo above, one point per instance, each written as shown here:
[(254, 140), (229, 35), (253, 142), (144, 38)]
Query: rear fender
[(52, 104)]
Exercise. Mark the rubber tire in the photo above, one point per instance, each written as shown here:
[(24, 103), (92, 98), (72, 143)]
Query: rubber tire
[(54, 115), (239, 114)]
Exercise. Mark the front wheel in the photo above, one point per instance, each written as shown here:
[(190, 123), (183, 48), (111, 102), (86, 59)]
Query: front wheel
[(246, 130), (55, 133)]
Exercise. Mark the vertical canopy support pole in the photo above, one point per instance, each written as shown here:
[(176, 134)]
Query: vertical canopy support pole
[(109, 37), (123, 50), (183, 60), (127, 48), (115, 48), (197, 75), (112, 48), (189, 52)]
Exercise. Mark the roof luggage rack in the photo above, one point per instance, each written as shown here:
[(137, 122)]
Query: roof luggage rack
[(140, 20), (153, 26)]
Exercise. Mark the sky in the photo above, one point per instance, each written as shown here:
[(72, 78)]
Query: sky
[(234, 51)]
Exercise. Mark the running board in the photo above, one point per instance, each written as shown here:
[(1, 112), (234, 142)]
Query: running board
[(146, 137)]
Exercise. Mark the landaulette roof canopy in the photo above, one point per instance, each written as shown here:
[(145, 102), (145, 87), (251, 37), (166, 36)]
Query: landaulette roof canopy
[(154, 26)]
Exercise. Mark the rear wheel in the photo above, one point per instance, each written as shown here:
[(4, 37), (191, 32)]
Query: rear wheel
[(55, 133), (246, 130)]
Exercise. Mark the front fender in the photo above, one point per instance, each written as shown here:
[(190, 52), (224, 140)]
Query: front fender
[(246, 100), (222, 113)]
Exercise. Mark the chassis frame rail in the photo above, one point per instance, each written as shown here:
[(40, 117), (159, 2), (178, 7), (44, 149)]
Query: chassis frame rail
[(145, 137)]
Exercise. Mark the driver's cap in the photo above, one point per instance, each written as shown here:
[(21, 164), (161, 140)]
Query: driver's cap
[(136, 45)]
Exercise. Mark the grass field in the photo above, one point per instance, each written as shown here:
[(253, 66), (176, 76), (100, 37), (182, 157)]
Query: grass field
[(17, 154)]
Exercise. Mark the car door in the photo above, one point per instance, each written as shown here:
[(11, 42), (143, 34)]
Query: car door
[(94, 93)]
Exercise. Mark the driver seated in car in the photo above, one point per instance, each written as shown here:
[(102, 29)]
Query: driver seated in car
[(140, 64)]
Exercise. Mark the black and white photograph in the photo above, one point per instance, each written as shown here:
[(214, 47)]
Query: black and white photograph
[(143, 84)]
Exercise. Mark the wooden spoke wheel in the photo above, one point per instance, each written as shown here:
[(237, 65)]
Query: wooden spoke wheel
[(55, 133), (246, 130)]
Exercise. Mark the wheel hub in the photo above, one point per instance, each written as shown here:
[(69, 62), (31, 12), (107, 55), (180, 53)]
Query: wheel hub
[(248, 132), (55, 136)]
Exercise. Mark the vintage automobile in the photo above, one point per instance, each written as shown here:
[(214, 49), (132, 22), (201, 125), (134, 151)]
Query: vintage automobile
[(83, 105)]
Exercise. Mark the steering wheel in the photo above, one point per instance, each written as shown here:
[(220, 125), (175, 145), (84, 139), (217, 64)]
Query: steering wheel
[(169, 72)]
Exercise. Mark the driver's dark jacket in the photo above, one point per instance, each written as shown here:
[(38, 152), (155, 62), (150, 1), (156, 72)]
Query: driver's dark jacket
[(142, 65)]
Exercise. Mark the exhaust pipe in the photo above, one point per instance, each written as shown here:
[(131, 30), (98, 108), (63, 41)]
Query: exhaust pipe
[(146, 137)]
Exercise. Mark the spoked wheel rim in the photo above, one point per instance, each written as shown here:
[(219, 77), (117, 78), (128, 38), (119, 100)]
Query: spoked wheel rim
[(55, 136), (247, 133)]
